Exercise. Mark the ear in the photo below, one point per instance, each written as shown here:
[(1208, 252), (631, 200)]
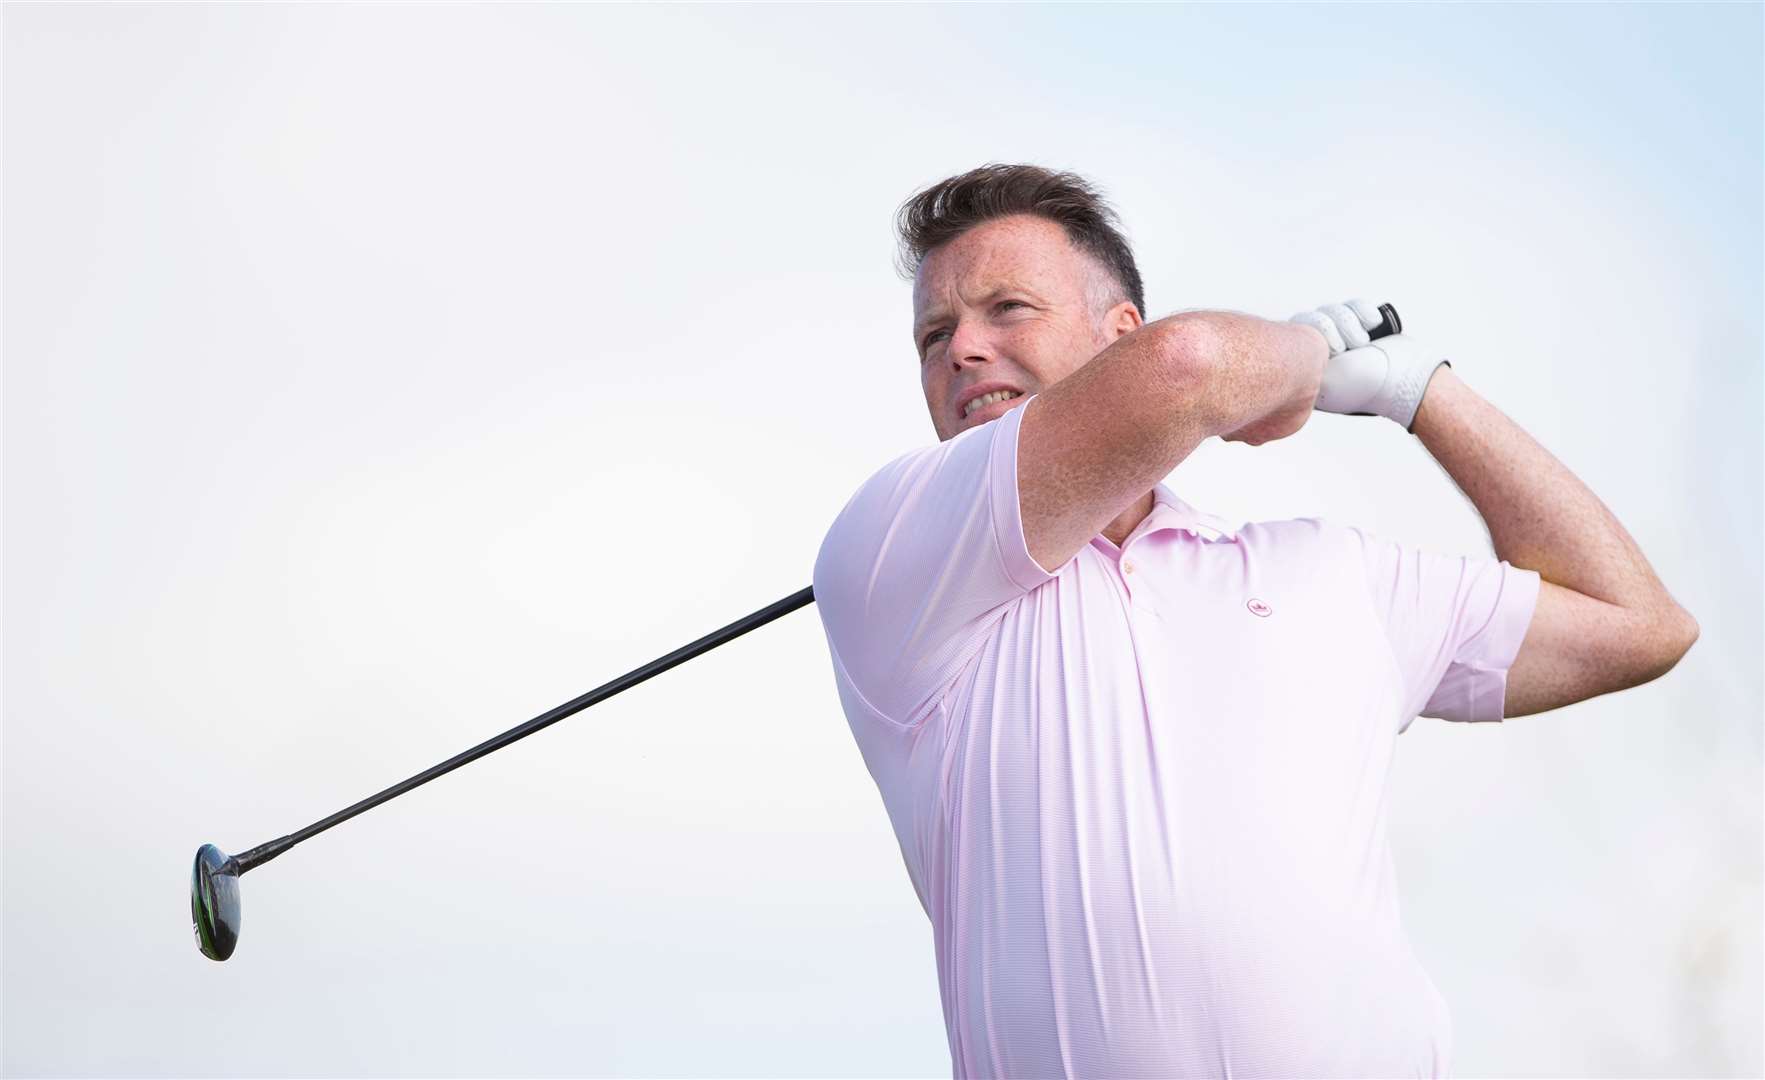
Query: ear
[(1123, 318)]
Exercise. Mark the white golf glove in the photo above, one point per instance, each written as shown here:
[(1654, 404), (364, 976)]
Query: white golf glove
[(1364, 377)]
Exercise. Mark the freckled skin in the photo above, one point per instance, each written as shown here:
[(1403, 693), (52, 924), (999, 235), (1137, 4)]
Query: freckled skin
[(1037, 331)]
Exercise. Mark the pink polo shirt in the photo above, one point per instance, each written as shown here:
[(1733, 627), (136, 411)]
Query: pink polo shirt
[(1142, 797)]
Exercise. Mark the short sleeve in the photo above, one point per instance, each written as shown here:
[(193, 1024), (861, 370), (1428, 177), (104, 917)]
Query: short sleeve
[(1454, 624), (920, 564)]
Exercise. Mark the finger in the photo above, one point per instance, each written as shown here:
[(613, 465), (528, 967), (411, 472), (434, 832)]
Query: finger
[(1349, 323), (1369, 313), (1326, 326)]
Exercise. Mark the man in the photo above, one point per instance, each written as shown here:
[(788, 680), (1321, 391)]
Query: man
[(1135, 757)]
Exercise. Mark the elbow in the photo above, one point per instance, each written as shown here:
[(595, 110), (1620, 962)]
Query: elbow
[(1678, 629), (1190, 344), (1670, 636), (1684, 633), (1188, 341), (1238, 368)]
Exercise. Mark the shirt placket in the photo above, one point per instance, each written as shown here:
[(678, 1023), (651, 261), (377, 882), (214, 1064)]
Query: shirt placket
[(1133, 583)]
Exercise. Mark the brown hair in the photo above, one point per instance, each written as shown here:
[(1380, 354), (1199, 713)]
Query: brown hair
[(950, 207)]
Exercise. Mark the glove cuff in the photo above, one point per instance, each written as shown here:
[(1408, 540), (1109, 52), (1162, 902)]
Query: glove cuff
[(1386, 378), (1406, 396)]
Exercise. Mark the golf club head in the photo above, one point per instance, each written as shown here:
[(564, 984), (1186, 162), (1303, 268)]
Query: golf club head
[(214, 902)]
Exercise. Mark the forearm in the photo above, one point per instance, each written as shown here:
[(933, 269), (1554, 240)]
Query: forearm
[(1540, 516), (1252, 368)]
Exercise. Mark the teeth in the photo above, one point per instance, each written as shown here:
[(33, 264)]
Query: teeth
[(987, 399)]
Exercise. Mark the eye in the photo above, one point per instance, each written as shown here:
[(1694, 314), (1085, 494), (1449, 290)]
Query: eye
[(1000, 306)]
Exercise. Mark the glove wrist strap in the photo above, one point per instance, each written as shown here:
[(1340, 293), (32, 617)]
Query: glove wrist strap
[(1406, 397)]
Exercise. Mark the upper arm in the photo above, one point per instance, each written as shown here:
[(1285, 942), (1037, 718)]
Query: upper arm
[(1453, 623), (1102, 437), (1577, 647), (919, 565)]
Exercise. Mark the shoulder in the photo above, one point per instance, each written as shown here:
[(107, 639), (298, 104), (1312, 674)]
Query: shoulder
[(879, 491), (958, 462), (1300, 536)]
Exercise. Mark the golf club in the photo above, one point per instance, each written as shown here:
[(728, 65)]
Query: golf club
[(214, 880)]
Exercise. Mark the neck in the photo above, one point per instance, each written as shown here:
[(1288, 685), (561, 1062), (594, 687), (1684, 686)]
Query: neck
[(1129, 520)]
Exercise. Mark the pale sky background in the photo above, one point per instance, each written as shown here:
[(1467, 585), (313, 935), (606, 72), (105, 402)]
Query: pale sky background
[(377, 378)]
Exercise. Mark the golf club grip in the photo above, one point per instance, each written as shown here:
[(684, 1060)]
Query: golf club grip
[(1391, 325)]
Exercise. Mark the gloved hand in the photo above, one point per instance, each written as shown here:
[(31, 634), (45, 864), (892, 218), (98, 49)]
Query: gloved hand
[(1364, 377)]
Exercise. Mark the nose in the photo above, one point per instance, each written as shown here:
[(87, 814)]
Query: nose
[(968, 346)]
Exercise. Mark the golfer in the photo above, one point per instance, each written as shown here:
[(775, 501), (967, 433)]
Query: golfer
[(1135, 755)]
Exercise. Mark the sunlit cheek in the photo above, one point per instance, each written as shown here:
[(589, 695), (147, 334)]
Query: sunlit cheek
[(936, 391)]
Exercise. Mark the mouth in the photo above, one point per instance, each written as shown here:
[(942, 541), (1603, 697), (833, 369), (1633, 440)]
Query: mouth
[(992, 409)]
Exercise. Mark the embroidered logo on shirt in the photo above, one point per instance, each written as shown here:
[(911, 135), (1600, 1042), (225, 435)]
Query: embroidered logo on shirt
[(1258, 608)]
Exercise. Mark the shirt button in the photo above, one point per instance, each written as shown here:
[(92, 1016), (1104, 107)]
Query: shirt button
[(1127, 568)]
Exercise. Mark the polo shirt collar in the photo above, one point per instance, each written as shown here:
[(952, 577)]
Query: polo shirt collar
[(1170, 512)]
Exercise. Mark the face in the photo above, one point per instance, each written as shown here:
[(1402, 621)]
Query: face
[(1009, 303)]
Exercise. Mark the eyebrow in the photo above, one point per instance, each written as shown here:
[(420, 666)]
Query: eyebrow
[(939, 315)]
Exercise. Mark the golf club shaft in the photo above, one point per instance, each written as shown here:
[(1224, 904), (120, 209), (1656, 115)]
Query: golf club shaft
[(263, 853)]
